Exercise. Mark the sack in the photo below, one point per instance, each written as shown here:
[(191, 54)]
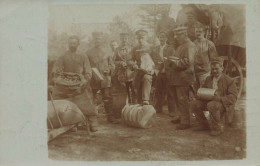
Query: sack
[(66, 111), (138, 115)]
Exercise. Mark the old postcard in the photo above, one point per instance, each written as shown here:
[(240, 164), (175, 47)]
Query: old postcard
[(129, 81)]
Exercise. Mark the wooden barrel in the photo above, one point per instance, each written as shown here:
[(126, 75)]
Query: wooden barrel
[(119, 101), (138, 115)]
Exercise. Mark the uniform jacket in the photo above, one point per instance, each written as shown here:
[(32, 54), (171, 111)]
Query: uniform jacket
[(206, 52), (181, 73), (124, 54), (100, 59), (228, 92), (74, 63), (158, 60)]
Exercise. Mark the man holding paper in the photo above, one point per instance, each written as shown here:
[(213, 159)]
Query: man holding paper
[(159, 54), (102, 67), (220, 104)]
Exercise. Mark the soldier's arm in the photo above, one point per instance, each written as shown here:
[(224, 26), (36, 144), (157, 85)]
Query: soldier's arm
[(188, 59), (212, 50), (87, 71), (231, 97), (111, 65), (58, 66), (117, 60)]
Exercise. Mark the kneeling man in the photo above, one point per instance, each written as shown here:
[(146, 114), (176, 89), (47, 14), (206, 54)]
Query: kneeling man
[(221, 105)]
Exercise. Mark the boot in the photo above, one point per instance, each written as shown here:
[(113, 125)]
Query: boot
[(182, 126), (112, 120), (201, 128), (215, 132), (145, 102), (176, 119)]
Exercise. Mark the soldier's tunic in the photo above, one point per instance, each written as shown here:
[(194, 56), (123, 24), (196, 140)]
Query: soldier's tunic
[(143, 79), (159, 54), (206, 52), (76, 63), (122, 75), (100, 59), (181, 77), (227, 91)]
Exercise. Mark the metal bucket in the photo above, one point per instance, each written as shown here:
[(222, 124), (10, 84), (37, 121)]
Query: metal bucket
[(206, 93)]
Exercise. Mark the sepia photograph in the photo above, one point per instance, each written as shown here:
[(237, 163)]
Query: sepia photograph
[(146, 82)]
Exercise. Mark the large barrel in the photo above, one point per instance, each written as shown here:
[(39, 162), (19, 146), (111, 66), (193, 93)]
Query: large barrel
[(119, 101), (138, 115), (63, 113)]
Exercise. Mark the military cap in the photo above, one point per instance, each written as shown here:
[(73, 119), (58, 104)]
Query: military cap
[(162, 32), (180, 29), (141, 33), (97, 34), (74, 37), (143, 50), (124, 34), (218, 60)]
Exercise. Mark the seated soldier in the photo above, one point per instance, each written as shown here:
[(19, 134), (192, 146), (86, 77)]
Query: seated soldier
[(222, 103)]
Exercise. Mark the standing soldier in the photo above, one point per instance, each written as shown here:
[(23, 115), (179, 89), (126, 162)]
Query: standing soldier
[(159, 54), (144, 66), (73, 61), (124, 63), (182, 75), (113, 46), (102, 61), (206, 52)]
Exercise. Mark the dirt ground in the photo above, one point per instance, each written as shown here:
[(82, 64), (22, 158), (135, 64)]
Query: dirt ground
[(118, 142)]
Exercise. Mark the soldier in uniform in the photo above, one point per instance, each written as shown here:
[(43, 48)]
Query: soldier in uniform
[(182, 75), (159, 54), (191, 24), (113, 46), (206, 52), (75, 62), (124, 73), (144, 65), (102, 61), (221, 105)]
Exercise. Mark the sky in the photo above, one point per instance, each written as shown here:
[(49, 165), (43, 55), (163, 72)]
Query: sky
[(95, 17)]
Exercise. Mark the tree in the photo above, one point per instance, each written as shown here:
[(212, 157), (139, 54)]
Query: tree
[(151, 15), (117, 26)]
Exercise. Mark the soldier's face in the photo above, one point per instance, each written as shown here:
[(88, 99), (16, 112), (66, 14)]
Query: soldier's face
[(141, 41), (216, 69), (73, 44), (114, 46), (200, 33), (162, 38), (98, 40), (180, 37), (124, 39)]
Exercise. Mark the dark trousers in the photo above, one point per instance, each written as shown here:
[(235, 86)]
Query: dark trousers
[(130, 91), (107, 99), (161, 88), (179, 96), (216, 110)]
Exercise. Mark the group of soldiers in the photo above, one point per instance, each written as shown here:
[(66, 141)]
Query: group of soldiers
[(175, 71)]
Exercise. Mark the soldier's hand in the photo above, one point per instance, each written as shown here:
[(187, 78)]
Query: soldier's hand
[(106, 72), (185, 61), (135, 67), (216, 98), (123, 64)]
